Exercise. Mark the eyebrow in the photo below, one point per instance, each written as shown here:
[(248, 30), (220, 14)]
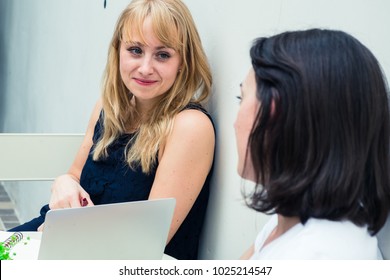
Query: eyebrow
[(143, 45)]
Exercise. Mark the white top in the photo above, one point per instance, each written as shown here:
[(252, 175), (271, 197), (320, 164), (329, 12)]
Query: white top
[(317, 239)]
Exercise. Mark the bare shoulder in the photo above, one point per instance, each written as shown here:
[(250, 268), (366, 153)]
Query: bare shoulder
[(97, 109), (94, 117), (192, 120), (192, 132)]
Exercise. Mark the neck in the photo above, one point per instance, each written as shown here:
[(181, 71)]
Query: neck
[(285, 223), (144, 106)]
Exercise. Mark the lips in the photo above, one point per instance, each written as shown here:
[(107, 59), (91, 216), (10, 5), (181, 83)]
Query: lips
[(144, 82)]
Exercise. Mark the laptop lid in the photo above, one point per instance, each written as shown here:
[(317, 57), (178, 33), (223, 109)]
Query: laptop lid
[(121, 231)]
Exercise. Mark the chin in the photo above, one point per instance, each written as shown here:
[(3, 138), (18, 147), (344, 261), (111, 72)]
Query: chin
[(240, 171), (248, 175)]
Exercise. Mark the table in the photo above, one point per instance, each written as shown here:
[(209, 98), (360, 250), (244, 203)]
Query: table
[(28, 247)]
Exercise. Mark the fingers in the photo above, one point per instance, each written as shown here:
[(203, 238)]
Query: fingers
[(87, 200), (90, 203), (67, 193), (84, 202), (67, 201)]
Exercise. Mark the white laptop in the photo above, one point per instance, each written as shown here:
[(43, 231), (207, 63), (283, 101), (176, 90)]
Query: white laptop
[(121, 231)]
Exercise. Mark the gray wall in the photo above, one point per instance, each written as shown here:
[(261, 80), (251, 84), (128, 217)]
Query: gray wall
[(52, 55)]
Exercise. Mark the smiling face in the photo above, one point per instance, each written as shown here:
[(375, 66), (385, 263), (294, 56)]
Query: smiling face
[(148, 68), (246, 116)]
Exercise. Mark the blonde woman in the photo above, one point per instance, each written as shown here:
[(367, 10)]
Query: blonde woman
[(149, 136)]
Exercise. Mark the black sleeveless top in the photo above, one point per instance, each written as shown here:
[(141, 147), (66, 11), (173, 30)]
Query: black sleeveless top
[(111, 180)]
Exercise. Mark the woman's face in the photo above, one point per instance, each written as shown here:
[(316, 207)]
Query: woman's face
[(246, 116), (148, 69)]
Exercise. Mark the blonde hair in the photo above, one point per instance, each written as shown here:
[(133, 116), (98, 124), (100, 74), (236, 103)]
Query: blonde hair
[(173, 25)]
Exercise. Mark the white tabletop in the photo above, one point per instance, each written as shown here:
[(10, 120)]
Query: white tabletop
[(28, 247)]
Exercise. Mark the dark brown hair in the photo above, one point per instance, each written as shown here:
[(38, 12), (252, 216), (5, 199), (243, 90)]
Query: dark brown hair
[(323, 152)]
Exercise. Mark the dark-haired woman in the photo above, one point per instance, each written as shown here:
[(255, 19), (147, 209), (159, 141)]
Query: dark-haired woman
[(313, 133)]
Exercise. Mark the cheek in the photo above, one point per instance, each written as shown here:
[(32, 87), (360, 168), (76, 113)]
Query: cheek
[(242, 130), (170, 78), (122, 65), (169, 73), (121, 70), (126, 62)]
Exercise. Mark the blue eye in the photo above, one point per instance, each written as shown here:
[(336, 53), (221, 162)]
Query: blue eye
[(163, 56), (135, 50)]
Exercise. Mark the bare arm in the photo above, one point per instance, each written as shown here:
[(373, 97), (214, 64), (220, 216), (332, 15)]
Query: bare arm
[(66, 189), (184, 163)]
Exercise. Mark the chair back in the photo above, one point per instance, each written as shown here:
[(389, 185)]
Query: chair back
[(36, 156)]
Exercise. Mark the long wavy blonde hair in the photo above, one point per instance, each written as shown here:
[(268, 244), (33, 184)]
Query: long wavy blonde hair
[(174, 27)]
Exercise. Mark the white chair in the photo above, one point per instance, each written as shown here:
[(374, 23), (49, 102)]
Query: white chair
[(36, 156), (28, 160)]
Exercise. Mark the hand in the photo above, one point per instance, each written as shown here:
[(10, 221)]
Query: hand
[(66, 192)]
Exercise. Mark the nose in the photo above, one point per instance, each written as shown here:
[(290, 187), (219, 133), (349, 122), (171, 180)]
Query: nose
[(146, 66)]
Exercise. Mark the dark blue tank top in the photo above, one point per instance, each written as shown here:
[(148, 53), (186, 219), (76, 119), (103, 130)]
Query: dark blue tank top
[(111, 180)]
